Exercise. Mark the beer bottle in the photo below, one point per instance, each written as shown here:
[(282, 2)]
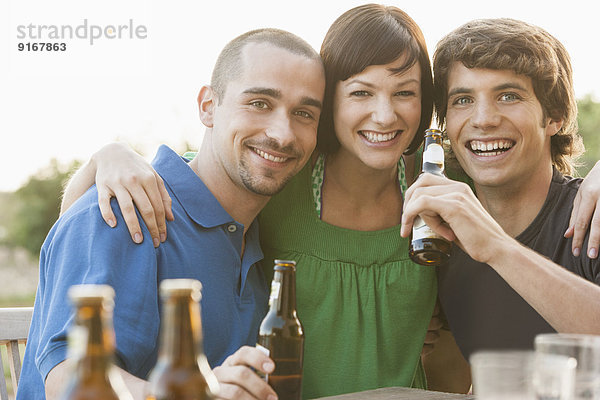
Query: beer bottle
[(281, 335), (182, 371), (426, 246), (91, 344)]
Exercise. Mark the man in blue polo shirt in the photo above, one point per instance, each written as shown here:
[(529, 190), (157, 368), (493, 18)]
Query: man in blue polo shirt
[(261, 123)]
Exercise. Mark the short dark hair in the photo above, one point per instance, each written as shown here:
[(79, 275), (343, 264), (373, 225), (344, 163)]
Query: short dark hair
[(372, 34), (229, 63), (508, 44)]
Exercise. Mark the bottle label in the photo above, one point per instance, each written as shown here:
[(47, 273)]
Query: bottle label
[(434, 154), (77, 342), (268, 354), (422, 231), (275, 292)]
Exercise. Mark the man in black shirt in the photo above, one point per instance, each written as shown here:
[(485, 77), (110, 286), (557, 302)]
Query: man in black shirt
[(505, 96)]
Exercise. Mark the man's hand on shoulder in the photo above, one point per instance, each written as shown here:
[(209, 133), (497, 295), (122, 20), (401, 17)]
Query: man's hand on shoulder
[(586, 214)]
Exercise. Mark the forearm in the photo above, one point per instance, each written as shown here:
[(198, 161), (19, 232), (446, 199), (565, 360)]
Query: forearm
[(79, 183), (445, 367), (135, 385), (61, 374), (568, 302)]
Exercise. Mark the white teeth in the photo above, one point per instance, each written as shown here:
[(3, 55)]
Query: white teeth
[(269, 157), (490, 153), (477, 145), (378, 137)]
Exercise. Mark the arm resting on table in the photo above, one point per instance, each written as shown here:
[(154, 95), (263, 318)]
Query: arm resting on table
[(445, 367)]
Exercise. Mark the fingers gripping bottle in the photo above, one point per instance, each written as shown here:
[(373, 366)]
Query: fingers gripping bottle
[(426, 246)]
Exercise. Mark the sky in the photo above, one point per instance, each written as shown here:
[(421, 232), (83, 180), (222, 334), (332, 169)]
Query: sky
[(131, 70)]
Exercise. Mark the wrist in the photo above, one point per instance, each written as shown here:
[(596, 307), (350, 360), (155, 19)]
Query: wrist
[(103, 156), (91, 165), (96, 158), (500, 257)]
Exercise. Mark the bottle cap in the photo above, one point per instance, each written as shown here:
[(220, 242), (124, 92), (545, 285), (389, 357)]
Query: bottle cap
[(181, 287), (292, 263), (289, 264), (433, 131), (92, 294)]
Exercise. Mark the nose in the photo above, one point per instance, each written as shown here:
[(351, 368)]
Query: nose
[(485, 114), (280, 129), (384, 113)]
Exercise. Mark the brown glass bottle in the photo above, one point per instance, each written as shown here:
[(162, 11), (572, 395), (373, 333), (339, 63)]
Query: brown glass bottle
[(91, 345), (426, 246), (182, 371), (282, 335)]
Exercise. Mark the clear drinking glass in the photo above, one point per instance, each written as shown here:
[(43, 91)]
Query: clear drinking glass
[(553, 376), (586, 350), (522, 375)]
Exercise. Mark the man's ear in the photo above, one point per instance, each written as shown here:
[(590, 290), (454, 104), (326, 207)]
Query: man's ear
[(554, 126), (207, 102)]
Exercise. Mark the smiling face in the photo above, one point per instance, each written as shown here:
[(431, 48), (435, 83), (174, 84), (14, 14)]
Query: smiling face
[(376, 113), (265, 127), (496, 126)]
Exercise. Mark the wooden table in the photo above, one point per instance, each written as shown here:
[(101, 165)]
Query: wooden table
[(400, 393)]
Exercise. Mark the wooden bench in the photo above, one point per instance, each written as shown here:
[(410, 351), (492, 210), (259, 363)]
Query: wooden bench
[(14, 326)]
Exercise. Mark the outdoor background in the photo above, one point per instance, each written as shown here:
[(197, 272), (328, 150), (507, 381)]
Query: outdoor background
[(56, 109)]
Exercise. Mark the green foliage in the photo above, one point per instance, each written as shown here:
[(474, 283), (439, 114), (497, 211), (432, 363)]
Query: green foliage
[(589, 128), (35, 207), (24, 300)]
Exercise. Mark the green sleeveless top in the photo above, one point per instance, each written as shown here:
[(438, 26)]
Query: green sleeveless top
[(365, 306)]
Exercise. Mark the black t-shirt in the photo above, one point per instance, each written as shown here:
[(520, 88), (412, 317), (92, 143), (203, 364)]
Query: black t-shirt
[(482, 310)]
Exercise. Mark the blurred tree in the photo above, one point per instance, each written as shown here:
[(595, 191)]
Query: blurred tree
[(29, 213), (589, 128), (35, 207)]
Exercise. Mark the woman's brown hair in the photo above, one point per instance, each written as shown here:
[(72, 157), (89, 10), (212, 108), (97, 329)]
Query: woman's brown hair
[(372, 34)]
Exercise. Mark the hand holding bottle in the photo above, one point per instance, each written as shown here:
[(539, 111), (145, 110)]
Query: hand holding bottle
[(451, 209), (237, 378)]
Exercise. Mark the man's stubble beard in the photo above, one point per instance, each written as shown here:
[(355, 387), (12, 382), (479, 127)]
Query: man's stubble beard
[(265, 184)]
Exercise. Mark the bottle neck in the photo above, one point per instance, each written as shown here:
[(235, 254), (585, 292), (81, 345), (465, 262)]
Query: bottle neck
[(93, 340), (283, 293), (433, 155), (181, 332)]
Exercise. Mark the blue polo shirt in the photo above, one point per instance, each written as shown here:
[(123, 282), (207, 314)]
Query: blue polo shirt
[(203, 243)]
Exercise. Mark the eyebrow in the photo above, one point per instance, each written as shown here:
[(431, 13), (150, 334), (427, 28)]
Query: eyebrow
[(511, 85), (310, 101), (276, 94), (504, 86), (361, 82)]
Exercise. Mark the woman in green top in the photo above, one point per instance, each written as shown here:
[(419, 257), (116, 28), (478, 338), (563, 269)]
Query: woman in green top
[(364, 305)]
